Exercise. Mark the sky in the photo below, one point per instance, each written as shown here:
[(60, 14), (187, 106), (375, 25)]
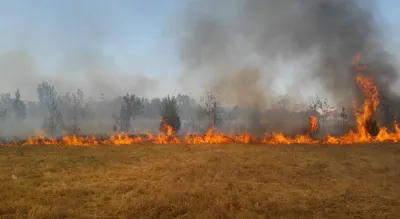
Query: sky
[(132, 36), (132, 31), (388, 10)]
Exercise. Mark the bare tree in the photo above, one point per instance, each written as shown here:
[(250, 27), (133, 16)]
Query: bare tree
[(78, 109), (322, 105), (211, 108), (343, 115), (52, 117)]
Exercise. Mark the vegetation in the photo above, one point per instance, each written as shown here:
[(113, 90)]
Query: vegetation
[(131, 106), (343, 115), (320, 104), (169, 111), (210, 109), (52, 117), (18, 106), (172, 181), (74, 113), (78, 109), (14, 106)]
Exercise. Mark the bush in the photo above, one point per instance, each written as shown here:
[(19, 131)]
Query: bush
[(169, 111)]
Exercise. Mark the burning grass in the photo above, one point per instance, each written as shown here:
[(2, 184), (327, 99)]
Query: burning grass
[(201, 181), (361, 135)]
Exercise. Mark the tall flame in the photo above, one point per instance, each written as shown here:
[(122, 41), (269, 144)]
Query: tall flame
[(313, 124)]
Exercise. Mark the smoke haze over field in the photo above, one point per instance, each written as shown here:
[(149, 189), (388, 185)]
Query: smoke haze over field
[(219, 41), (249, 51), (282, 43)]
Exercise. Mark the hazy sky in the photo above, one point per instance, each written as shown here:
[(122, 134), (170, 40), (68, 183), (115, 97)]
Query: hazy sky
[(133, 36), (131, 31)]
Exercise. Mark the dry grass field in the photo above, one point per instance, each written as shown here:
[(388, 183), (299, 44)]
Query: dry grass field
[(205, 181)]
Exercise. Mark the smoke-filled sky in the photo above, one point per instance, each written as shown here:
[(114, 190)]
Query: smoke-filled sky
[(107, 46)]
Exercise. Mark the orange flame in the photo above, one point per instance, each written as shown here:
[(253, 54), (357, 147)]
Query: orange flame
[(313, 124)]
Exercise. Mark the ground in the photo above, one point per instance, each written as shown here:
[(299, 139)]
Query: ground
[(205, 181)]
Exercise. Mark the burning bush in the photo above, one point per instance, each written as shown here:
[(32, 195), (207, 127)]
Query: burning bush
[(169, 114)]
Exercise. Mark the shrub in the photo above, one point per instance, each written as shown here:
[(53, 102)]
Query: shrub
[(169, 111)]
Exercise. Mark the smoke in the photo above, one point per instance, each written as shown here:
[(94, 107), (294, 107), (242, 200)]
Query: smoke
[(322, 36), (257, 32), (243, 49)]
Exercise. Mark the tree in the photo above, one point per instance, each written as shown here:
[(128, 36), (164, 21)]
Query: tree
[(131, 106), (187, 107), (13, 105), (325, 110), (211, 109), (78, 109), (52, 117), (19, 106), (322, 105), (6, 98), (343, 115), (169, 111), (67, 98)]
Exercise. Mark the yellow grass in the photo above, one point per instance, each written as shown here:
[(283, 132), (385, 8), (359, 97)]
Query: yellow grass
[(207, 181)]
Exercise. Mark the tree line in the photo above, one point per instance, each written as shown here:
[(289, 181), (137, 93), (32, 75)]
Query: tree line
[(67, 112)]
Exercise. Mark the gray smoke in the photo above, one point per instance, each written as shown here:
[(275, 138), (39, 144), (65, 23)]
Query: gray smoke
[(226, 37)]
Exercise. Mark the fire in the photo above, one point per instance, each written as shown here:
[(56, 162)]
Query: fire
[(313, 124), (369, 107), (210, 137), (168, 137), (79, 141), (364, 115)]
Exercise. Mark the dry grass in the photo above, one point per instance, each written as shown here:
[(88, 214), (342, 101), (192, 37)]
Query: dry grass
[(208, 181)]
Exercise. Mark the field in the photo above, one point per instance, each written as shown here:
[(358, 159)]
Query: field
[(205, 181)]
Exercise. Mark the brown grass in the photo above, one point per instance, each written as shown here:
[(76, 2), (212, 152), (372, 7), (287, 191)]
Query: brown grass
[(207, 181)]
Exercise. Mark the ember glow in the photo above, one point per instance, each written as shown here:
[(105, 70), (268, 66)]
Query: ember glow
[(364, 114)]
